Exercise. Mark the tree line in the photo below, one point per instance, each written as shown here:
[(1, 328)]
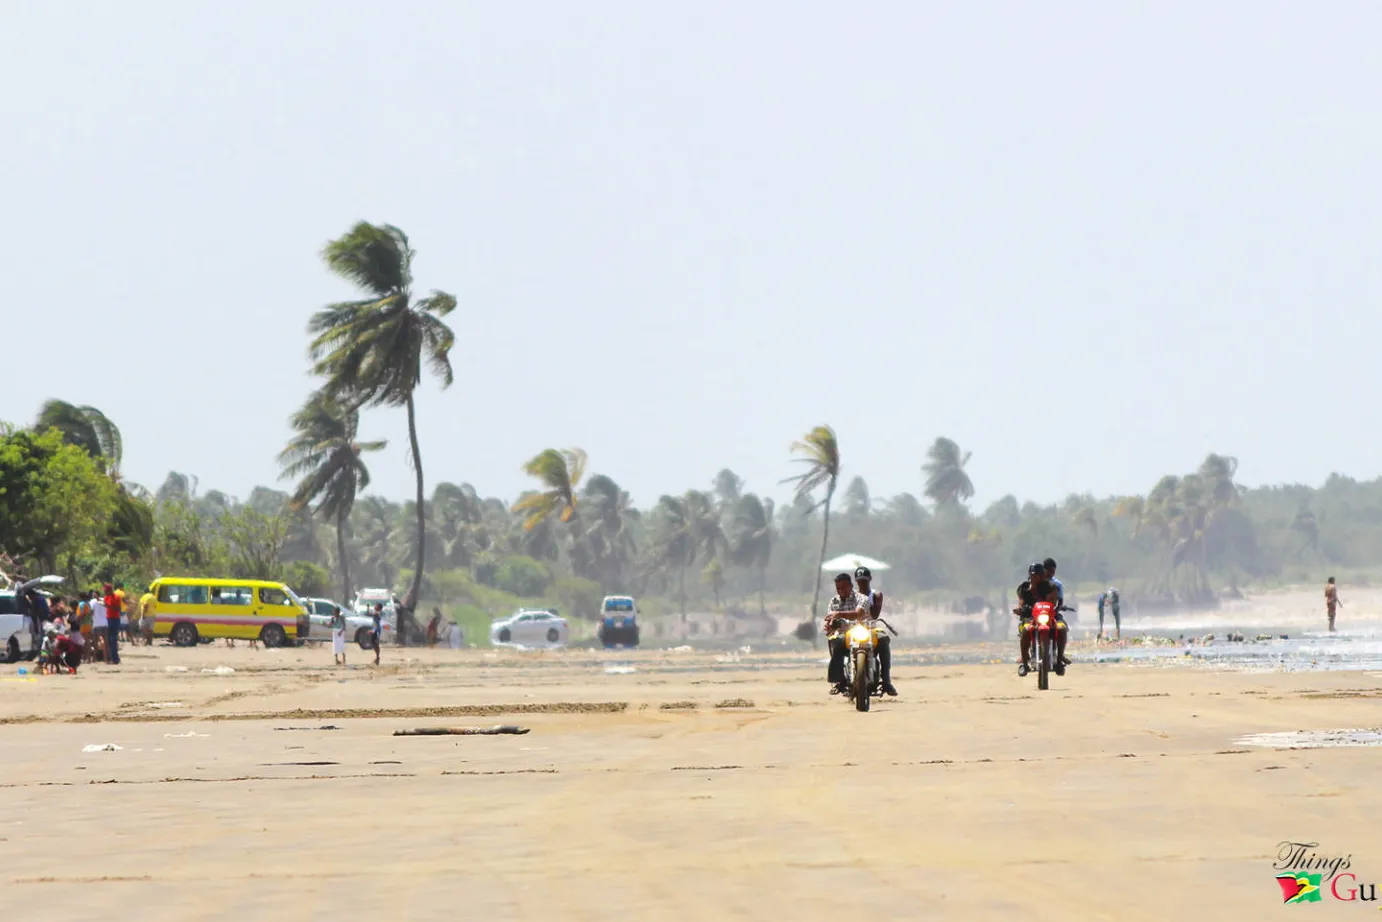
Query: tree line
[(65, 507)]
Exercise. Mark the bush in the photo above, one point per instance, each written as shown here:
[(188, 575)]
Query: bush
[(576, 597), (308, 579), (522, 576), (474, 622)]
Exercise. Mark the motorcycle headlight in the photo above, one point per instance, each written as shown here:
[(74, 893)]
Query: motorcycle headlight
[(859, 633), (1043, 618)]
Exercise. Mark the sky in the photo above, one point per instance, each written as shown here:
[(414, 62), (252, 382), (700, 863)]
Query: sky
[(1090, 242)]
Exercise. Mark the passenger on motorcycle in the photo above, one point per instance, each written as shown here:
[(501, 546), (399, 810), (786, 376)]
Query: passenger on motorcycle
[(847, 605), (1050, 564), (863, 578), (1036, 588)]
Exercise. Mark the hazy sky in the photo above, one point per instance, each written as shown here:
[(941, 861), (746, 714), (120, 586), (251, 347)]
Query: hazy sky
[(1091, 242)]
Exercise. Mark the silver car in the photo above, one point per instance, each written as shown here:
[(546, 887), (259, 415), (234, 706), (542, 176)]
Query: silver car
[(530, 627)]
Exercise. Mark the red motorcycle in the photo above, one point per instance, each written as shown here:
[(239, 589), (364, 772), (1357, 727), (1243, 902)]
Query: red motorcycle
[(1043, 649)]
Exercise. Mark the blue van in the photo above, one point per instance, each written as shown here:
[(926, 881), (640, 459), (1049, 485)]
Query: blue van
[(618, 621)]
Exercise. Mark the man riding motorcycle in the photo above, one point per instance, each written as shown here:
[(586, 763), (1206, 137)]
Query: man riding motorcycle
[(1050, 564), (1037, 588), (847, 605), (863, 578)]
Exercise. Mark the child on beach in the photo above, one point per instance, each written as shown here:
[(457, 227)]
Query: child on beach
[(338, 631)]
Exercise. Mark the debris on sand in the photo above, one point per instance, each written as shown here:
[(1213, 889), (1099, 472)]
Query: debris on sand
[(678, 706), (190, 734), (220, 670), (323, 727), (620, 670), (101, 747), (735, 703), (462, 731)]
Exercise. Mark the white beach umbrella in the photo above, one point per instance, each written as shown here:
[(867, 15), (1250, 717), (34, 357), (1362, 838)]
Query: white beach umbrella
[(850, 561)]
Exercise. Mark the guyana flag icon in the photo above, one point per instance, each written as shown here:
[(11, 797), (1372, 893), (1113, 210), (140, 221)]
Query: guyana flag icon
[(1299, 888)]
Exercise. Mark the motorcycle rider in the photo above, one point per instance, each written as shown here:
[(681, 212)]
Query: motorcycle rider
[(1036, 588), (863, 578), (1050, 564), (847, 605)]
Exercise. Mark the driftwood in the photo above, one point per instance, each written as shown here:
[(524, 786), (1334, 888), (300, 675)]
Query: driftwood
[(461, 731)]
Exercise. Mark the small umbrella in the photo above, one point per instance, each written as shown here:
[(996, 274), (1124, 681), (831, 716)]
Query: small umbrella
[(850, 561)]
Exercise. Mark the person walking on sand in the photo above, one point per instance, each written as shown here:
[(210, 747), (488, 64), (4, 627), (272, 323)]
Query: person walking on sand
[(338, 629), (1331, 600)]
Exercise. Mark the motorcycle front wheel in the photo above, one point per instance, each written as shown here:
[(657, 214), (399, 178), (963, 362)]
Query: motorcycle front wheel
[(862, 686), (1044, 664)]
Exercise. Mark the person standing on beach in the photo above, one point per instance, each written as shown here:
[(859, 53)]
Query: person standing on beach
[(378, 616), (338, 629), (112, 625), (1331, 600)]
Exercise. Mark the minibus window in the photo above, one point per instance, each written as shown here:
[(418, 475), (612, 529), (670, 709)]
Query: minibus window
[(182, 595)]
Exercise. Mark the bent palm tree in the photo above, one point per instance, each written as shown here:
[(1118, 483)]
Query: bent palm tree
[(327, 456), (560, 472), (371, 351), (821, 451), (86, 427), (947, 484)]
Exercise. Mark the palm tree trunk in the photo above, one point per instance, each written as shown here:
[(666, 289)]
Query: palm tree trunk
[(825, 538), (681, 592), (341, 556), (415, 597)]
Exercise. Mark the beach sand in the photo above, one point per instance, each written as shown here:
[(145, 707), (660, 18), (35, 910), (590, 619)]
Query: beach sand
[(693, 787)]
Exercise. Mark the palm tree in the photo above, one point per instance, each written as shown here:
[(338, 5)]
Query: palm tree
[(947, 484), (821, 451), (674, 536), (86, 427), (610, 534), (560, 472), (326, 454), (371, 351), (752, 544), (857, 503)]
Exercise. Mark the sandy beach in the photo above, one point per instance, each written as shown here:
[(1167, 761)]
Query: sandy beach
[(660, 785)]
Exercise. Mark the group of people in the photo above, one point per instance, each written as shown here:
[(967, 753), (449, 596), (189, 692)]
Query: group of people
[(69, 632)]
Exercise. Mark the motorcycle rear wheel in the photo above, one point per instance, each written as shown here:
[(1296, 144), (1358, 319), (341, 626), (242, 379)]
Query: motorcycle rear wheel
[(862, 686)]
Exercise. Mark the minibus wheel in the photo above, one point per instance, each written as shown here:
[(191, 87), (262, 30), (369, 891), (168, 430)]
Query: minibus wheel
[(184, 634), (273, 635)]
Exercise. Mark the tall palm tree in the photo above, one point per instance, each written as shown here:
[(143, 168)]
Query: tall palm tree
[(752, 544), (857, 502), (560, 472), (674, 537), (371, 351), (947, 484), (821, 455), (86, 427), (326, 454), (610, 533)]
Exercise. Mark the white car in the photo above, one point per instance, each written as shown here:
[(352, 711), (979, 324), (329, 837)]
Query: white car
[(530, 627), (358, 627), (16, 632)]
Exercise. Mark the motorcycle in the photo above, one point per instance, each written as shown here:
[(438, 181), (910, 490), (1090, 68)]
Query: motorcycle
[(1043, 650), (863, 674)]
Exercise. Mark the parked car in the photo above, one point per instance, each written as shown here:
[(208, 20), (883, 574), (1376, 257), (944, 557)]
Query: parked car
[(530, 627), (16, 630), (358, 627), (618, 621)]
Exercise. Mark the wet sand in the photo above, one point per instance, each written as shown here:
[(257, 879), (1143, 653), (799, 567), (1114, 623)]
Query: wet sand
[(695, 787)]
